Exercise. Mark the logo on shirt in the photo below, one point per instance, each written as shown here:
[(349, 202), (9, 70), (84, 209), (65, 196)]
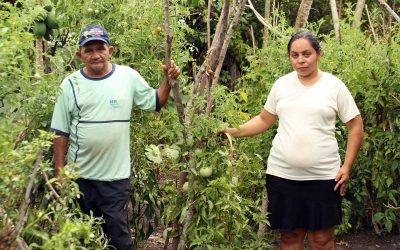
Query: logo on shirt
[(114, 103)]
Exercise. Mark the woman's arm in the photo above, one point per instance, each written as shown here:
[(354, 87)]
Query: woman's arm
[(255, 126), (355, 137)]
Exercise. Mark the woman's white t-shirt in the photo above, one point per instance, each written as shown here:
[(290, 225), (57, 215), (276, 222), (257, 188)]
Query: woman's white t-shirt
[(305, 147)]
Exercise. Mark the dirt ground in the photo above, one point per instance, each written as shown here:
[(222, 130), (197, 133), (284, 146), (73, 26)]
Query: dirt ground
[(359, 241)]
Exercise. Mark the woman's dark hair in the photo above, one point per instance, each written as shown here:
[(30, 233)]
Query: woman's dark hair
[(306, 35)]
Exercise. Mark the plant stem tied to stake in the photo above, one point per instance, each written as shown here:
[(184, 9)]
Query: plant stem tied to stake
[(179, 106), (173, 82)]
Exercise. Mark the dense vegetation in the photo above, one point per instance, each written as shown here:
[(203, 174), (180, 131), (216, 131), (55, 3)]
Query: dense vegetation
[(226, 204)]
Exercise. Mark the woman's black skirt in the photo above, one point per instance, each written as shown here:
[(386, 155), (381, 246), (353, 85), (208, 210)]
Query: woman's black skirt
[(310, 205)]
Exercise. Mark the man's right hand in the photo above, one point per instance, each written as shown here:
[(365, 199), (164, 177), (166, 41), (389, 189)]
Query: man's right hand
[(60, 149), (173, 71)]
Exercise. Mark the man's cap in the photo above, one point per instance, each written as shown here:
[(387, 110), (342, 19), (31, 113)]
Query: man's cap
[(93, 32)]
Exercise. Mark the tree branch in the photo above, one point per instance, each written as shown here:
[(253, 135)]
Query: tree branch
[(229, 33), (391, 11), (23, 211), (52, 190), (371, 24), (258, 15), (208, 66)]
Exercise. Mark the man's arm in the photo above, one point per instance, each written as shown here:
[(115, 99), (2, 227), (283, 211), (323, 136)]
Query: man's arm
[(60, 149), (163, 91)]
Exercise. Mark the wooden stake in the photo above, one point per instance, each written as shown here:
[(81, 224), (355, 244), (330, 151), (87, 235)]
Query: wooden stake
[(173, 82)]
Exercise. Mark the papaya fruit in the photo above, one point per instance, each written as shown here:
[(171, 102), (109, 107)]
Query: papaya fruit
[(51, 20), (40, 14), (39, 29)]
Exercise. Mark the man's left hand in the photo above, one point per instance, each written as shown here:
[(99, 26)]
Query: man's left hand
[(173, 71)]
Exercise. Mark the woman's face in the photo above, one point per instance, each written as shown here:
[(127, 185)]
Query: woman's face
[(304, 57)]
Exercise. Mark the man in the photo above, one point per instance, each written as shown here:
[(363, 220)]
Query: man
[(92, 115)]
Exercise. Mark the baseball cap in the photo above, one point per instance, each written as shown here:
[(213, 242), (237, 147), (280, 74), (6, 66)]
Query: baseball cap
[(93, 32)]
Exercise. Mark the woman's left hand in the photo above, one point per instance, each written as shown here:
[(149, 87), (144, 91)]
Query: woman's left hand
[(342, 179)]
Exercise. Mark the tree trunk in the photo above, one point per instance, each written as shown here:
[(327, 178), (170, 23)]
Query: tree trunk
[(208, 24), (335, 18), (340, 9), (234, 73), (302, 14), (266, 17), (47, 65), (253, 39), (358, 13), (38, 57)]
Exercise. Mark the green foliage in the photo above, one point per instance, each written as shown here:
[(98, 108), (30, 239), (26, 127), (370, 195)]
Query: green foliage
[(227, 203), (369, 72)]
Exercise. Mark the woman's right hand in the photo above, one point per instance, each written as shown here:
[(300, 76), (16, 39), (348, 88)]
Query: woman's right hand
[(255, 126)]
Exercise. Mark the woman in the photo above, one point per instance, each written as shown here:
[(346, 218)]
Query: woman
[(305, 177)]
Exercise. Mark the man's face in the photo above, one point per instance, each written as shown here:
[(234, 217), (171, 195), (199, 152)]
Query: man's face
[(95, 55)]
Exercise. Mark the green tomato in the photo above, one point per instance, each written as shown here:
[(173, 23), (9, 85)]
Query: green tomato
[(206, 171), (235, 181), (37, 76), (96, 11), (90, 10), (185, 187)]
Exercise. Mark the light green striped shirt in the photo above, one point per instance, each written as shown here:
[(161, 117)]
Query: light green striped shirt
[(95, 113)]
